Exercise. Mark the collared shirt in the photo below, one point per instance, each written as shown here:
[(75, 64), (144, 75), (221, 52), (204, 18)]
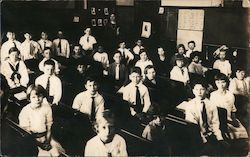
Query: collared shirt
[(126, 53), (44, 43), (36, 120), (95, 147), (196, 68), (103, 58), (6, 47), (55, 89), (194, 114), (64, 51), (223, 66), (83, 103), (129, 94), (22, 70), (189, 52), (240, 87), (29, 49), (41, 65), (177, 75), (142, 64), (87, 42), (137, 49), (225, 101)]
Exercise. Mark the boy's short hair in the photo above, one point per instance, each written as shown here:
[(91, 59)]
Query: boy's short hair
[(135, 70), (191, 42), (38, 88), (47, 48), (200, 81), (90, 79), (142, 50), (14, 49), (221, 76), (195, 53), (106, 115), (117, 52), (147, 68), (49, 62)]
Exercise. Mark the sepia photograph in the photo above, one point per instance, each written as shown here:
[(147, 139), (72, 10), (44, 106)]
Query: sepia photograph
[(118, 78)]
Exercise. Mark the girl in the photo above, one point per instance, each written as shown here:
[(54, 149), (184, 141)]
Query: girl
[(36, 117)]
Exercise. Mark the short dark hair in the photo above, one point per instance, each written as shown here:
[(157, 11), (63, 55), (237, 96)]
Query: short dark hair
[(181, 45), (147, 68), (191, 42), (14, 49), (38, 88), (49, 62), (221, 76), (117, 52), (142, 50), (200, 81), (195, 53), (90, 79), (47, 48), (135, 70)]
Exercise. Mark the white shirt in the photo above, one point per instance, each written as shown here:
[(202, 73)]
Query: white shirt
[(22, 70), (188, 52), (240, 87), (194, 114), (142, 65), (176, 74), (41, 65), (29, 49), (44, 43), (87, 45), (55, 89), (103, 58), (95, 147), (129, 94), (83, 103), (65, 50), (223, 66), (126, 53), (36, 120), (6, 47), (137, 49)]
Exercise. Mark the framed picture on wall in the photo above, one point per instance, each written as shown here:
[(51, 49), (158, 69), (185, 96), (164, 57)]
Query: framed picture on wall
[(93, 22), (93, 12), (106, 11), (105, 22), (99, 22)]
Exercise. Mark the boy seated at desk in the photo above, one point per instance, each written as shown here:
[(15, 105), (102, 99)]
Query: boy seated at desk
[(107, 142), (36, 118), (50, 82)]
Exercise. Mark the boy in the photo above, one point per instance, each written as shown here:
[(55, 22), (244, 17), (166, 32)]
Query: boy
[(44, 41), (200, 111), (87, 41), (136, 93), (179, 71), (106, 142), (102, 57), (50, 82), (191, 48), (144, 61), (29, 48), (117, 71), (89, 102), (222, 64), (47, 56), (61, 46), (138, 47), (195, 66), (127, 56)]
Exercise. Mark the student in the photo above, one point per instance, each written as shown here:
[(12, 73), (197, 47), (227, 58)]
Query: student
[(195, 66), (107, 142), (102, 57), (61, 46), (138, 47), (87, 41), (136, 93), (162, 63), (224, 99), (89, 102), (144, 61), (47, 55), (50, 82), (191, 48), (44, 41), (127, 56), (117, 70), (181, 50), (222, 64), (36, 118), (179, 71), (29, 48), (15, 70), (11, 42), (202, 112), (77, 52), (240, 85)]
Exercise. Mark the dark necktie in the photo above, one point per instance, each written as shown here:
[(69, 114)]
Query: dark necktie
[(92, 114), (88, 39), (138, 104), (182, 71), (44, 44), (48, 85), (14, 44), (32, 49), (60, 46), (204, 117), (109, 154)]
